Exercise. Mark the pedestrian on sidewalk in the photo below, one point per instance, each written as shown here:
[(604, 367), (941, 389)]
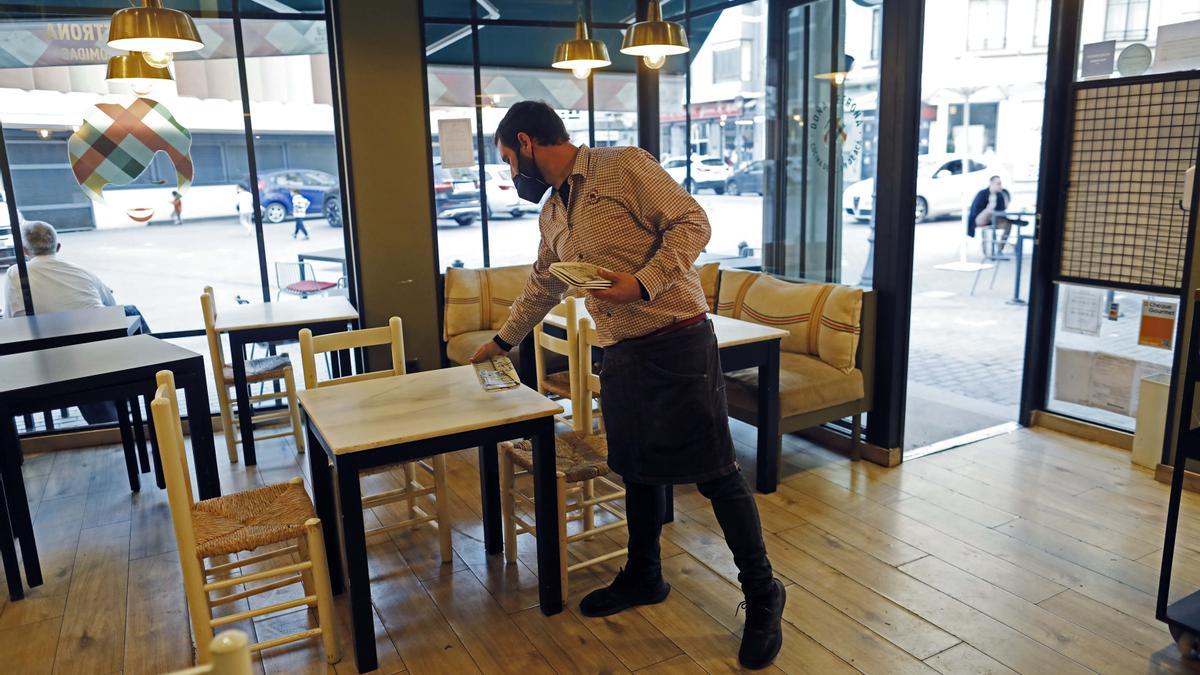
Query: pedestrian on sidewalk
[(299, 210)]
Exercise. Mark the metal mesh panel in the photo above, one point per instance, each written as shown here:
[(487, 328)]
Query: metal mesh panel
[(1122, 223)]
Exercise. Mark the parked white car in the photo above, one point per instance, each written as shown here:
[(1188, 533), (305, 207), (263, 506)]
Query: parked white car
[(943, 187), (708, 172), (502, 194)]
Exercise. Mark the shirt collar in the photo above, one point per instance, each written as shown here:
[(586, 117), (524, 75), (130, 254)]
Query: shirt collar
[(583, 162)]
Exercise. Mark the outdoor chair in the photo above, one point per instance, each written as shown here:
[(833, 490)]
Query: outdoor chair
[(240, 522), (295, 278), (391, 335), (275, 368), (993, 253)]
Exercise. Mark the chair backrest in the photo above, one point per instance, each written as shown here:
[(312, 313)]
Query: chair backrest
[(208, 305), (311, 345), (169, 431), (589, 382), (288, 273), (569, 310)]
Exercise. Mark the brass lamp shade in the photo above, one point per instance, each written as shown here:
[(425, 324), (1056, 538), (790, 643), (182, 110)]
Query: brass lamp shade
[(582, 52), (153, 28), (655, 37), (132, 66)]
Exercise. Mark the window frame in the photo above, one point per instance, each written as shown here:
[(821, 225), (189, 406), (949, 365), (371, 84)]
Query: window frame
[(988, 7), (1126, 34)]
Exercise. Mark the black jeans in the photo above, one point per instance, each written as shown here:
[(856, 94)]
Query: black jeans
[(734, 506), (300, 229)]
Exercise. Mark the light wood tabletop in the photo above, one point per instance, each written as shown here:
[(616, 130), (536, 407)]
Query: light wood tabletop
[(389, 411), (268, 314), (730, 332)]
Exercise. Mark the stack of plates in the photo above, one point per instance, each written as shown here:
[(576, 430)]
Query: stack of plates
[(580, 275)]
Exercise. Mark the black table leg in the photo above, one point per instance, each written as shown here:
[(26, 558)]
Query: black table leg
[(668, 514), (127, 445), (159, 478), (1020, 255), (8, 552), (16, 499), (350, 497), (245, 414), (326, 506), (199, 415), (489, 493), (139, 434), (769, 442), (545, 484)]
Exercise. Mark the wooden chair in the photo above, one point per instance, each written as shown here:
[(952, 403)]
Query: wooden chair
[(236, 523), (560, 384), (581, 458), (267, 369), (230, 651), (393, 336)]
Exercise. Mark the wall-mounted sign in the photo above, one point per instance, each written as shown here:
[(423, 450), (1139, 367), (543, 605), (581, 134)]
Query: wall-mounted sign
[(1158, 324), (1134, 60), (1178, 47), (455, 142), (847, 133), (115, 144), (1099, 58)]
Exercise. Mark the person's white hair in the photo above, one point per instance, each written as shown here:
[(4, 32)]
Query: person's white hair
[(39, 238)]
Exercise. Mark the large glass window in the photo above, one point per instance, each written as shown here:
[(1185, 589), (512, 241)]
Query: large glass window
[(987, 24), (1127, 20), (162, 230), (1135, 25)]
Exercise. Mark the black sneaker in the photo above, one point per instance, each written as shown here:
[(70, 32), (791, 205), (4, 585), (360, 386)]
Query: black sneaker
[(763, 635), (624, 592)]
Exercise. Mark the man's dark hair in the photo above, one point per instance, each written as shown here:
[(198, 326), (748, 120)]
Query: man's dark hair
[(535, 118), (993, 178)]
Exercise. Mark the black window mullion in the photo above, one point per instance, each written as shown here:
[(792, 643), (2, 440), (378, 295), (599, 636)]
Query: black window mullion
[(479, 148), (10, 198), (251, 161)]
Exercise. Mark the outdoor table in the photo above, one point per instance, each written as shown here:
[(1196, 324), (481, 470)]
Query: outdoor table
[(56, 329), (742, 345), (360, 425), (332, 255), (1020, 246), (278, 322), (106, 370)]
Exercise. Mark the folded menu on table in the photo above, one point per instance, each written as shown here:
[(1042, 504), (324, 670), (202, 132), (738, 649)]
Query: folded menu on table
[(497, 374), (580, 274)]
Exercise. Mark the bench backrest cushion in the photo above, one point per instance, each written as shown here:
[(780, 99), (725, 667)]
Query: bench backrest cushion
[(710, 276), (480, 299), (822, 320)]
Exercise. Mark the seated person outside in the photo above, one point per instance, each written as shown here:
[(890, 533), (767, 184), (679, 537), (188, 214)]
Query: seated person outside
[(57, 286)]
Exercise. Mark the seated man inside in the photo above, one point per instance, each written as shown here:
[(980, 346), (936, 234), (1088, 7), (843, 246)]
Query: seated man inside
[(57, 285)]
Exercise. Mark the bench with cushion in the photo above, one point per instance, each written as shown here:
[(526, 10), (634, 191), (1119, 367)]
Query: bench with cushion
[(826, 362)]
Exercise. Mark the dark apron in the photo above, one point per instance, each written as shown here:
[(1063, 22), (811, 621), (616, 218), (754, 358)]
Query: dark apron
[(663, 401)]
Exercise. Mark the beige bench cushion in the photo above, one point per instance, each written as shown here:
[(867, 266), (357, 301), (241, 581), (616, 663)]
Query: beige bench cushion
[(460, 349), (710, 277), (480, 299), (806, 384), (822, 320)]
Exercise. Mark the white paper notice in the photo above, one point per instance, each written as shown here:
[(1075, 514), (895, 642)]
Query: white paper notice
[(1178, 47), (454, 137), (1072, 375), (1082, 310), (1100, 380), (1112, 383)]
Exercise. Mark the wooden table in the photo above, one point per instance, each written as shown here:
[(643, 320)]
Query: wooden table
[(743, 345), (56, 329), (371, 423), (278, 322), (106, 370)]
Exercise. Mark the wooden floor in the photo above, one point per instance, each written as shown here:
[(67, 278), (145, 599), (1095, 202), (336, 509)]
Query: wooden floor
[(1031, 552)]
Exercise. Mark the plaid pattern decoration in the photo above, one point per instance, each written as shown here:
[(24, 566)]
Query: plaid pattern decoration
[(627, 215), (115, 144)]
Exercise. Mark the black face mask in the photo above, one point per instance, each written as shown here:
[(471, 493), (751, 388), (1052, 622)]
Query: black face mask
[(531, 185)]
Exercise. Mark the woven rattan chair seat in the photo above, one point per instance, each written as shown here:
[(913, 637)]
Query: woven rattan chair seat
[(266, 368), (243, 521), (578, 455)]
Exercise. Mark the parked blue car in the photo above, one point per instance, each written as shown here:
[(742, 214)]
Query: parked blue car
[(275, 192)]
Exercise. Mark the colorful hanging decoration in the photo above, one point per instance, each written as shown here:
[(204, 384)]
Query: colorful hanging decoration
[(115, 144)]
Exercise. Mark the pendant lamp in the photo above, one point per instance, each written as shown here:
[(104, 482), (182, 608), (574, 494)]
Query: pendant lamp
[(134, 70), (154, 31), (654, 39), (838, 76), (582, 54)]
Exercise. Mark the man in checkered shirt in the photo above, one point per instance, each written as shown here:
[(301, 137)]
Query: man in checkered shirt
[(662, 388)]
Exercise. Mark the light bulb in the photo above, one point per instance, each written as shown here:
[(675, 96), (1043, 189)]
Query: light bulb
[(654, 62), (141, 87), (157, 59), (581, 72)]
